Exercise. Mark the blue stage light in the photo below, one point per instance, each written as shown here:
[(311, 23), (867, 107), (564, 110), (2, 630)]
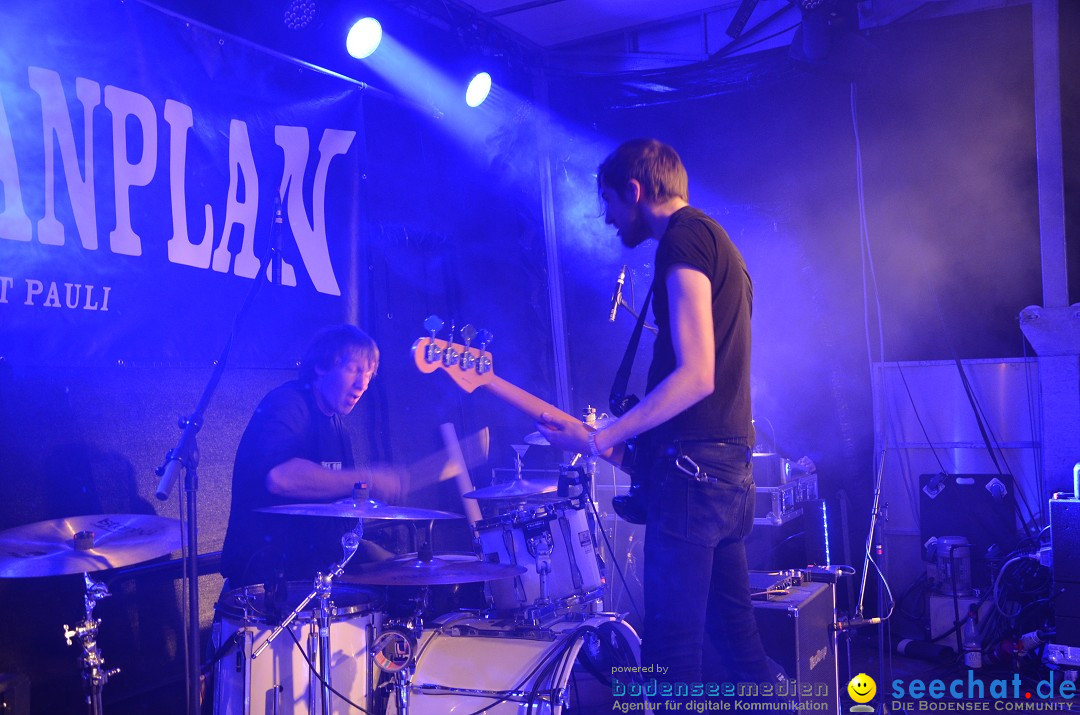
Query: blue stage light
[(364, 37), (478, 89)]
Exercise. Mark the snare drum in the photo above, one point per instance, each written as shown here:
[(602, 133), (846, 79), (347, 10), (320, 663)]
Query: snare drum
[(466, 664), (554, 537), (280, 681)]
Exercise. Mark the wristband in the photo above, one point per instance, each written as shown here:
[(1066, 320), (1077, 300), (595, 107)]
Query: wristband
[(594, 449)]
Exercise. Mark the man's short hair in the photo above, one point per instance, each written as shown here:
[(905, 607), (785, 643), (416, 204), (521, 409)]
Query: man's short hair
[(654, 164), (332, 344)]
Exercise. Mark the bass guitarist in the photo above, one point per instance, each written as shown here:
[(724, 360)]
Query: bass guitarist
[(693, 426)]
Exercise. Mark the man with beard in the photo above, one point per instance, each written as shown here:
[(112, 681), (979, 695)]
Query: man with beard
[(693, 426)]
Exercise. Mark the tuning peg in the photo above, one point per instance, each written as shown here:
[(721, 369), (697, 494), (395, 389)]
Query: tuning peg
[(484, 363), (450, 355), (468, 332), (433, 324)]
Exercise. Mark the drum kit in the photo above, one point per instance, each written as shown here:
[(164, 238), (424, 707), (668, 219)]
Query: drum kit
[(340, 645), (345, 652)]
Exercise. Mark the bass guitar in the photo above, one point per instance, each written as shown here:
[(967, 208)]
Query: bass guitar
[(473, 367)]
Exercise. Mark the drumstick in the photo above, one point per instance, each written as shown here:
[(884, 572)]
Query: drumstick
[(441, 465), (461, 476)]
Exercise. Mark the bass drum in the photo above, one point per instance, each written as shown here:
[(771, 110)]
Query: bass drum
[(280, 681), (468, 664)]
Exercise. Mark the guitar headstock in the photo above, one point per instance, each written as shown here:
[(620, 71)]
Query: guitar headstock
[(468, 363)]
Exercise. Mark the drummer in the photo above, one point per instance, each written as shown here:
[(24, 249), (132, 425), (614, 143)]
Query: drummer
[(296, 449)]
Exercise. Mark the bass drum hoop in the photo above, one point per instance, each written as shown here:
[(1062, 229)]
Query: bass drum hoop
[(468, 692)]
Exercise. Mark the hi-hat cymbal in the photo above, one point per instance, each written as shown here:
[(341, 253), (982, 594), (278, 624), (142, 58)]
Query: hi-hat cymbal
[(512, 490), (536, 439), (440, 570), (360, 509), (88, 543)]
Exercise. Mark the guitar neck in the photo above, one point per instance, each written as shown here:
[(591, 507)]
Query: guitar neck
[(518, 398)]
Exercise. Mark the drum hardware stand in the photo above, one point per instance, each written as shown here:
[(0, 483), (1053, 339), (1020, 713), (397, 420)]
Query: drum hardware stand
[(94, 673), (350, 542)]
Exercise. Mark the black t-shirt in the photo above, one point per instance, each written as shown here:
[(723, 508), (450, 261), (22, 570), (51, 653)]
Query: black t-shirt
[(260, 547), (694, 239)]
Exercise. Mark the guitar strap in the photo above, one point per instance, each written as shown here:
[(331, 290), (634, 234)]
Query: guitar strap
[(619, 401)]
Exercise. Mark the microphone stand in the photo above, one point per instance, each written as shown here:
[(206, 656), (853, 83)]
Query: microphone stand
[(185, 456), (876, 512)]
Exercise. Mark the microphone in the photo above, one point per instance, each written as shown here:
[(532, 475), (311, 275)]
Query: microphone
[(850, 624), (616, 298), (275, 244), (169, 473)]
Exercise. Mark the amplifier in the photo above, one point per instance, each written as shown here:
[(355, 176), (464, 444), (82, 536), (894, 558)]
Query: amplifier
[(1064, 546), (780, 504), (796, 629)]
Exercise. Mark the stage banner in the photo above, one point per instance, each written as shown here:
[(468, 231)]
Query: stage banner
[(142, 157)]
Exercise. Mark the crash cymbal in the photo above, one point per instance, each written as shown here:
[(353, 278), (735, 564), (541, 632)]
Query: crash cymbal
[(536, 439), (80, 544), (360, 509), (515, 489), (440, 570)]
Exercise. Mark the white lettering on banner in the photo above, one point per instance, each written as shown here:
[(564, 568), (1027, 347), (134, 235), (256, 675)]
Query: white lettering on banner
[(123, 104), (310, 237), (14, 223), (241, 213), (33, 288), (91, 298), (56, 122), (133, 118), (181, 250)]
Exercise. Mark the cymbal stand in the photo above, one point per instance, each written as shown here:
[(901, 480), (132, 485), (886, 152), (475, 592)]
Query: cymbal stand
[(350, 542), (94, 673)]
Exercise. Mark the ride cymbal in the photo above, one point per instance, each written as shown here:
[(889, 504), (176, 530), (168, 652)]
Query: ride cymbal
[(440, 570), (515, 489), (360, 509)]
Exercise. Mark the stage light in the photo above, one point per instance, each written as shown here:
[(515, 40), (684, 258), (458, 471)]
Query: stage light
[(364, 37), (478, 89)]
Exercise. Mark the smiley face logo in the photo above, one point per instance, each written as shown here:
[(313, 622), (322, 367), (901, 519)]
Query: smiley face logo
[(862, 688)]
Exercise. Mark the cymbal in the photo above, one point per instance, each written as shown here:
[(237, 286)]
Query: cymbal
[(536, 439), (88, 543), (441, 570), (360, 509), (516, 488)]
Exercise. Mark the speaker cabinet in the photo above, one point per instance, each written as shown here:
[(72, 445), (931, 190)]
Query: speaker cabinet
[(796, 631)]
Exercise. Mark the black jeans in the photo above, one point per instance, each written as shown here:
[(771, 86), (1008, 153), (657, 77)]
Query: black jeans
[(696, 581)]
